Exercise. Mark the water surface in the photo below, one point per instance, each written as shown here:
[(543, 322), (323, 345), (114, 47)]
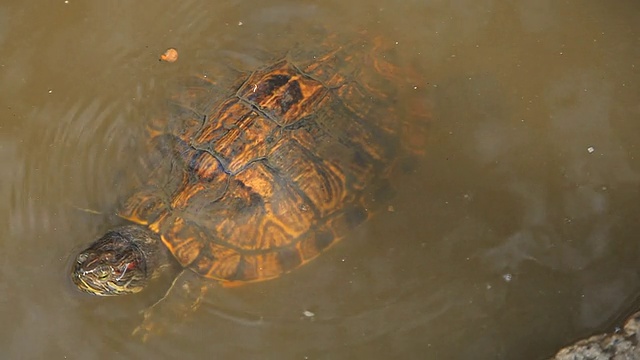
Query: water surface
[(514, 235)]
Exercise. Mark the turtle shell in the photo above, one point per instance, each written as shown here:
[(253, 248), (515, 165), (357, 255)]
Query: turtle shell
[(255, 182)]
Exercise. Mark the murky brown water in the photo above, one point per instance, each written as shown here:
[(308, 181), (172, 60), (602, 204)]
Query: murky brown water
[(516, 235)]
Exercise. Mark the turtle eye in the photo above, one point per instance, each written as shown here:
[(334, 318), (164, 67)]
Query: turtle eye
[(103, 272)]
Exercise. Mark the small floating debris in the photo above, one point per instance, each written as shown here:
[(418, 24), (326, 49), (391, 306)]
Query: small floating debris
[(591, 149), (171, 55), (308, 313), (391, 208)]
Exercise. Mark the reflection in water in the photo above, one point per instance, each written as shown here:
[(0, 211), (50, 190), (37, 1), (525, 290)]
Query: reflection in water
[(514, 236)]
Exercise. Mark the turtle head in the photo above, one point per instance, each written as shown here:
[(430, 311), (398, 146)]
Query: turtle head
[(118, 263)]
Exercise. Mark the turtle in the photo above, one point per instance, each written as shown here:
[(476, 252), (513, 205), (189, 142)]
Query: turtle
[(250, 180)]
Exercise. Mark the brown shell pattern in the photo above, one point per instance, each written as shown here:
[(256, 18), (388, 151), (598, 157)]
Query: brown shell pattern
[(274, 173)]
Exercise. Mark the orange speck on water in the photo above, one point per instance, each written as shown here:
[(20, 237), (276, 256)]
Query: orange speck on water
[(171, 55)]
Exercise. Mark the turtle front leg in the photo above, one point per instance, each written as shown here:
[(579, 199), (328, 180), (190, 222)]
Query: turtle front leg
[(183, 297)]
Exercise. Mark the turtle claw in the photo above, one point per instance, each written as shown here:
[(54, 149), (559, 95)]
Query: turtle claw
[(148, 327), (141, 332), (180, 300)]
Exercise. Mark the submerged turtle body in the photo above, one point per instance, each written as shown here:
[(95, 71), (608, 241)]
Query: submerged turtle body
[(271, 174)]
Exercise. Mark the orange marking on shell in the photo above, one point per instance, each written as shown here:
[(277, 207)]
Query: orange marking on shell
[(143, 207), (134, 219), (218, 262), (283, 93), (286, 214), (155, 227), (182, 198), (245, 142), (182, 239), (321, 181), (260, 266), (307, 249), (233, 284), (223, 117), (207, 166)]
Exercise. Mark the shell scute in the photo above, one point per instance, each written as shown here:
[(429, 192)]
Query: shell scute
[(283, 93)]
